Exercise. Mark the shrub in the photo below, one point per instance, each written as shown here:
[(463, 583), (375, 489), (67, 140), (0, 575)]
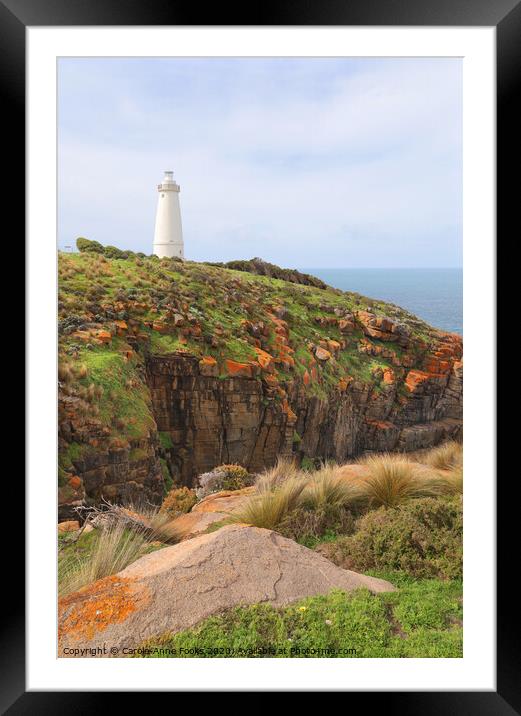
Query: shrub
[(448, 456), (180, 499), (84, 245), (308, 526), (422, 537), (268, 509), (223, 477), (393, 479)]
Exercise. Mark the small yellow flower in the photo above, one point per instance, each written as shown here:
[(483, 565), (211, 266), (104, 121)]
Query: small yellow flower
[(302, 609)]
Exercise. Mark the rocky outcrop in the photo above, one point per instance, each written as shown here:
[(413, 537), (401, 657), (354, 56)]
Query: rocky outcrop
[(211, 420), (187, 366), (177, 587)]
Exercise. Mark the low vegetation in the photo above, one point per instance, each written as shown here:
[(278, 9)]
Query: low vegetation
[(117, 540), (423, 620), (394, 479), (270, 508), (306, 505), (388, 515), (223, 477), (448, 456), (178, 501), (423, 538)]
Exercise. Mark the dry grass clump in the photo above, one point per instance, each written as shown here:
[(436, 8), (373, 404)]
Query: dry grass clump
[(282, 471), (269, 508), (452, 483), (448, 456), (292, 499), (120, 539), (115, 548), (327, 487), (393, 479)]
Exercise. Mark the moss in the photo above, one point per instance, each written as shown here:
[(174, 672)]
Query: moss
[(165, 440)]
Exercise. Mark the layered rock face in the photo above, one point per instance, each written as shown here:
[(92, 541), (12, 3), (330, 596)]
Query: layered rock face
[(212, 420)]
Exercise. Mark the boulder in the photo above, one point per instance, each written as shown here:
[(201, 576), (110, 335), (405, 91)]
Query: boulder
[(68, 526), (177, 587), (322, 354)]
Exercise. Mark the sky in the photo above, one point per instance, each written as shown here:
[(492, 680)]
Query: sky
[(305, 162)]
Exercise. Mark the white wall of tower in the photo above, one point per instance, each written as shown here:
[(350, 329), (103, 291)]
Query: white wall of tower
[(168, 235)]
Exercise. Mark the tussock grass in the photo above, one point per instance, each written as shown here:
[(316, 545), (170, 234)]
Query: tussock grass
[(448, 456), (327, 488), (269, 508), (284, 489), (282, 471), (115, 547), (393, 479), (452, 483)]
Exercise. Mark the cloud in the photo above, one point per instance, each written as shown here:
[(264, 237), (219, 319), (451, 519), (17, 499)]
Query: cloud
[(304, 162)]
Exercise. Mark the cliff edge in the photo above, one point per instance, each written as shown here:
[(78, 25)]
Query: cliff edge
[(168, 368)]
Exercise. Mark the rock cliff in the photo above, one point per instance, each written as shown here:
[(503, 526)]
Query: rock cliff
[(168, 369)]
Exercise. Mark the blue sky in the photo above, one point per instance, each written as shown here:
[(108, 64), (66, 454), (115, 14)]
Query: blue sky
[(312, 162)]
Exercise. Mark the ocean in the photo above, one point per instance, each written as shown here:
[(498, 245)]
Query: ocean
[(436, 295)]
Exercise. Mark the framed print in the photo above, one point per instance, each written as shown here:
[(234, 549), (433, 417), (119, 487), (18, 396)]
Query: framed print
[(255, 250)]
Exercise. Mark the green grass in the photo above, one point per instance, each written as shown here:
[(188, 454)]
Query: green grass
[(421, 620), (207, 291), (125, 397)]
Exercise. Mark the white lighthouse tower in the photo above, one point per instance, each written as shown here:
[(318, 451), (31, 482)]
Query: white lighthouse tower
[(168, 236)]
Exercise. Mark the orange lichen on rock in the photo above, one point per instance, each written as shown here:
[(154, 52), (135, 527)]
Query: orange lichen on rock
[(286, 408), (68, 526), (104, 336), (322, 354), (208, 366), (432, 364), (92, 609), (240, 370), (334, 346), (343, 383), (75, 482), (264, 358), (416, 378), (388, 376), (121, 327)]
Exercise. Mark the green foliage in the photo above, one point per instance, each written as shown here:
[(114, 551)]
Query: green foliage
[(180, 499), (124, 404), (91, 246), (165, 440), (422, 619), (423, 537)]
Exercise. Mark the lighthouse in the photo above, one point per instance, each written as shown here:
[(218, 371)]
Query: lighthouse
[(168, 236)]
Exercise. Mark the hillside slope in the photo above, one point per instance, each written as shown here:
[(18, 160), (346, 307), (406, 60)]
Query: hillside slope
[(169, 368)]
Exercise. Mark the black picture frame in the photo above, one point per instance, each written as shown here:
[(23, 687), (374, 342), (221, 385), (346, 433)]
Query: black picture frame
[(505, 15)]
